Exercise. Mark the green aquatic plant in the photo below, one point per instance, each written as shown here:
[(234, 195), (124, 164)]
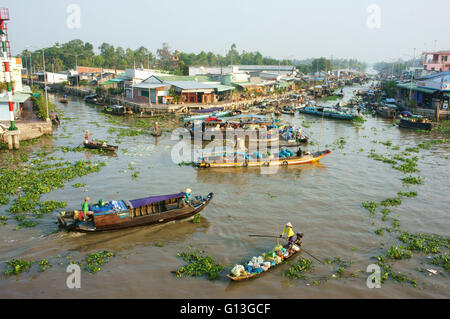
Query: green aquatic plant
[(196, 219), (442, 260), (94, 261), (424, 242), (412, 180), (44, 264), (391, 202), (370, 206), (79, 185), (298, 269), (407, 194), (198, 265), (17, 266)]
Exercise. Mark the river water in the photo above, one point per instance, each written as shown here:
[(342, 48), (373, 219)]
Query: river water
[(322, 200)]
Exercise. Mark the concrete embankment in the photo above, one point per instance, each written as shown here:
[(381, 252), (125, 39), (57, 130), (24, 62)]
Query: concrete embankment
[(27, 130)]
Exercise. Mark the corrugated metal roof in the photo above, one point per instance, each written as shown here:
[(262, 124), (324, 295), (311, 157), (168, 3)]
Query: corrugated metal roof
[(190, 85), (144, 85)]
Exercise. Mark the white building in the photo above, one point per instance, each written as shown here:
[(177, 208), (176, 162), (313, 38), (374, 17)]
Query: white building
[(52, 78)]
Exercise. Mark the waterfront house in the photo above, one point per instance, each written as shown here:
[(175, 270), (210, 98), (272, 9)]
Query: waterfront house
[(437, 61), (426, 94)]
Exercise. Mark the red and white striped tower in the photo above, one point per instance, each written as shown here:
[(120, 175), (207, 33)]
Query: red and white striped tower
[(4, 16)]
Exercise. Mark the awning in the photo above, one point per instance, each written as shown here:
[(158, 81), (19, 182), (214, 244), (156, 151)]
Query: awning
[(447, 93), (17, 98), (414, 87), (223, 88), (153, 199)]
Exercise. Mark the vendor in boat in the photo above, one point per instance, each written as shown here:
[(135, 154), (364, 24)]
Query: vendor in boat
[(86, 137), (85, 212), (156, 129), (289, 233), (299, 152), (187, 196)]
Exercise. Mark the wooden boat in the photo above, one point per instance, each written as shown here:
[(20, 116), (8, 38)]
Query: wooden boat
[(321, 111), (125, 214), (298, 242), (116, 110), (100, 146), (288, 111), (417, 123), (205, 116), (156, 133), (247, 161)]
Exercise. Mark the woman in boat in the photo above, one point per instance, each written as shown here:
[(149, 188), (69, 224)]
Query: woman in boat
[(86, 137), (289, 233)]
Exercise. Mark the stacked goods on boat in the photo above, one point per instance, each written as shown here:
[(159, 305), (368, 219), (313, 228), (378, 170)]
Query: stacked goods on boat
[(286, 153), (263, 263)]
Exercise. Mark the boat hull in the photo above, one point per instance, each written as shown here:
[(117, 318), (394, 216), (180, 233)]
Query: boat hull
[(415, 125), (124, 219), (294, 160)]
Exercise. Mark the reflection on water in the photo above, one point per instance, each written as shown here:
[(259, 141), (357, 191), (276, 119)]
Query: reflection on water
[(323, 200)]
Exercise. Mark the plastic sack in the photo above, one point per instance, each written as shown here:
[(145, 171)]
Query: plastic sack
[(260, 259), (295, 247), (237, 270), (264, 268), (267, 264), (258, 271), (277, 260)]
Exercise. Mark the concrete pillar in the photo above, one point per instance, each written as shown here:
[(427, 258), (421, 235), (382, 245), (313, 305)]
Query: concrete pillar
[(13, 139)]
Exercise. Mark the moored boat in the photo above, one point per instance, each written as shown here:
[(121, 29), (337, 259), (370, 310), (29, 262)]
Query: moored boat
[(321, 111), (101, 146), (116, 110), (417, 123), (122, 214)]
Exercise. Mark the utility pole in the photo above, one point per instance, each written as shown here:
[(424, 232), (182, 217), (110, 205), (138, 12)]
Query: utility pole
[(45, 83), (412, 70)]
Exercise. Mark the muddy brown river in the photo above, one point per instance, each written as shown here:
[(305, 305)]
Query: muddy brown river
[(321, 200)]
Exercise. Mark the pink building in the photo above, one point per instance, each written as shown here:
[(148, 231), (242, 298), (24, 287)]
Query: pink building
[(437, 61)]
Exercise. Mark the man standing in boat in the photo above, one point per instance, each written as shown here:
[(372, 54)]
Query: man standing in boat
[(85, 213), (187, 196), (289, 233), (86, 137)]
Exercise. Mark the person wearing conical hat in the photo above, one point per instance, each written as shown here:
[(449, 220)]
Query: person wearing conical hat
[(289, 233)]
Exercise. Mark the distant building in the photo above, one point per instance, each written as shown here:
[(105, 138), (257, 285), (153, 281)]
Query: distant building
[(52, 78), (437, 61)]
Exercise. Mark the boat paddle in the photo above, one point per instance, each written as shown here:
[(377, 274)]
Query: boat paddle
[(270, 236)]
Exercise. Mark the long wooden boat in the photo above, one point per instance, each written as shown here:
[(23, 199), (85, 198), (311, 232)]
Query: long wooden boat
[(298, 242), (205, 116), (320, 111), (99, 146), (416, 123), (116, 110), (244, 161), (140, 212)]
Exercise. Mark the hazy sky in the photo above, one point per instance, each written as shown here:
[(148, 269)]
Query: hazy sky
[(277, 28)]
